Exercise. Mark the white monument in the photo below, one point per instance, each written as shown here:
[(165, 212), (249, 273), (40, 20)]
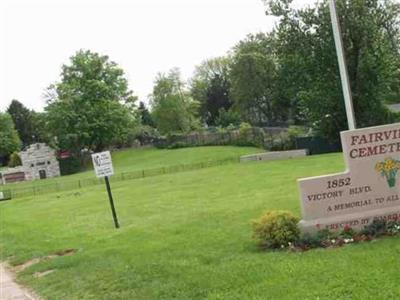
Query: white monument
[(39, 161), (368, 189)]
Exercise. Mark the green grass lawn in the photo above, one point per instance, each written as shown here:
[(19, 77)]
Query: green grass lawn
[(188, 236), (143, 159)]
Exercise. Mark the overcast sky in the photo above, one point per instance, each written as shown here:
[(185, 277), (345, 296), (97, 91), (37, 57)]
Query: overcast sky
[(143, 36)]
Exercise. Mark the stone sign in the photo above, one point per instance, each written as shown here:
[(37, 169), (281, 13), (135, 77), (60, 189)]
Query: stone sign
[(368, 189), (102, 164)]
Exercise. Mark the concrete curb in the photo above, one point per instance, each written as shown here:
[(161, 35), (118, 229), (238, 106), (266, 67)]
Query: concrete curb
[(9, 289)]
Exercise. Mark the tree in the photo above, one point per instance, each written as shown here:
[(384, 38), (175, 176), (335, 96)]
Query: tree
[(172, 108), (254, 81), (9, 139), (210, 86), (227, 118), (92, 106), (145, 116), (30, 125), (40, 125), (22, 118), (308, 65), (15, 160)]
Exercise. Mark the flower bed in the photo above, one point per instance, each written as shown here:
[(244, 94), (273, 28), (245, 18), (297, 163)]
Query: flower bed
[(322, 239)]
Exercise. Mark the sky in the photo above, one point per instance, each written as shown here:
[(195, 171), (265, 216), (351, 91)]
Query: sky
[(144, 37)]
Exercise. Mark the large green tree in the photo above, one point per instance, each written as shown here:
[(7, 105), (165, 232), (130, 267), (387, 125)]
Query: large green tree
[(210, 86), (40, 125), (308, 68), (145, 116), (254, 81), (22, 118), (9, 139), (29, 124), (173, 110), (91, 107)]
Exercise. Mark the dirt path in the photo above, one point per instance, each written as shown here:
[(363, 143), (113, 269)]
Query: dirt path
[(9, 289)]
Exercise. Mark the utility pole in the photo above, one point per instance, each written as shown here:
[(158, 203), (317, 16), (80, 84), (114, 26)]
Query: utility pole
[(342, 66)]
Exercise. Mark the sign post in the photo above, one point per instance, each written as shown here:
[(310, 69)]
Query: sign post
[(103, 168)]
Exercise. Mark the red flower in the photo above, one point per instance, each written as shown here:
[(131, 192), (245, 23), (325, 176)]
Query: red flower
[(346, 228)]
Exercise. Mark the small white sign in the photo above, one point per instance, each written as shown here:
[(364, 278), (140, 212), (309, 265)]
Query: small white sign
[(102, 164)]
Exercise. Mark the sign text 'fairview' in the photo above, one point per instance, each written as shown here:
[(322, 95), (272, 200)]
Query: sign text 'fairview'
[(369, 189)]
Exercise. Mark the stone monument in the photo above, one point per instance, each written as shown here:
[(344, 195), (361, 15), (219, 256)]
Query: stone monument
[(367, 190), (39, 161)]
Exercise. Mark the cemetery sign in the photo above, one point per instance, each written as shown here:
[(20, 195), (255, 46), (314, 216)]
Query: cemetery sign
[(367, 190)]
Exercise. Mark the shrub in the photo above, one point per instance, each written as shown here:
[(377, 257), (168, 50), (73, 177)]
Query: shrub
[(280, 142), (293, 133), (376, 228), (177, 145), (308, 241), (144, 134), (264, 228), (325, 238), (244, 127), (347, 232), (69, 165), (227, 118), (250, 136), (15, 160), (393, 226), (296, 131), (380, 227), (276, 229), (286, 140)]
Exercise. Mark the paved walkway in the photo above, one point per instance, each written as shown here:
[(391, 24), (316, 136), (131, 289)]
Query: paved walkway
[(10, 290)]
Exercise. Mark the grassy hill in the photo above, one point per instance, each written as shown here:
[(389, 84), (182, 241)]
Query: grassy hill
[(130, 160), (188, 236)]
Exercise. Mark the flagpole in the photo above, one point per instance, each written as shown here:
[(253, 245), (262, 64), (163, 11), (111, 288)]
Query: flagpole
[(342, 66)]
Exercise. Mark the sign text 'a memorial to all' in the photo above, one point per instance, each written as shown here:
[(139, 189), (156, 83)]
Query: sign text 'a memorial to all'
[(369, 189)]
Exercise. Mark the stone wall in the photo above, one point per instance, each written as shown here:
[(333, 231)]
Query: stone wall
[(12, 175), (274, 155)]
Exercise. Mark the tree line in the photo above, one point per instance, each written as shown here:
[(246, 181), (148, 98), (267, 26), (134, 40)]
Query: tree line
[(285, 77)]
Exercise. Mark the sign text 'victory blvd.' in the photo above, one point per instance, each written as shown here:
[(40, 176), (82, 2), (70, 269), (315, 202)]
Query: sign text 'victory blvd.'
[(369, 189)]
